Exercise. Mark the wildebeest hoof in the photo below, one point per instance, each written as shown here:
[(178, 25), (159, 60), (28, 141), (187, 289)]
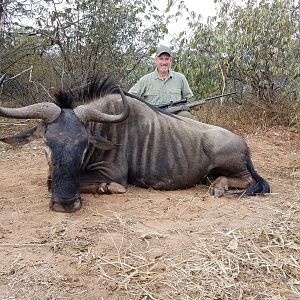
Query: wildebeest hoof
[(66, 208), (111, 188), (217, 192)]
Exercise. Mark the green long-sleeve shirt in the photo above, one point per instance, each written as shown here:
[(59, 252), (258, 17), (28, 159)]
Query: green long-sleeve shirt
[(157, 90)]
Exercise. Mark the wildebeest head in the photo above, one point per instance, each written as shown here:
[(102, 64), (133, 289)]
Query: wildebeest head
[(67, 136)]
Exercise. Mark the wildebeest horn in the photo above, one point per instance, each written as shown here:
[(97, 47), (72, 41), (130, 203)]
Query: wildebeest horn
[(87, 113), (2, 79), (46, 111)]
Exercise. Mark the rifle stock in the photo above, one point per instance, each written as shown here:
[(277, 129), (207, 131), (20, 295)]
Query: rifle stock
[(180, 107)]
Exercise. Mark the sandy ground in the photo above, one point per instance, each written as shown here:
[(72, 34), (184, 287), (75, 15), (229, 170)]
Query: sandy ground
[(149, 244)]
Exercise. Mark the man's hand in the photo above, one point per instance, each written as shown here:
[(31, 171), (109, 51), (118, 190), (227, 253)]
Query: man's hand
[(185, 108), (196, 108)]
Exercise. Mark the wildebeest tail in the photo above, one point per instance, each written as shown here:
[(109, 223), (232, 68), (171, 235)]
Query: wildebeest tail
[(259, 185)]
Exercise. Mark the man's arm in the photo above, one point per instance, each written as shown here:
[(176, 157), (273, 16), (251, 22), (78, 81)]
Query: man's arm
[(186, 91)]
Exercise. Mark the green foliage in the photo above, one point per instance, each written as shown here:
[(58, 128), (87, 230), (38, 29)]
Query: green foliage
[(254, 46), (70, 42), (264, 41)]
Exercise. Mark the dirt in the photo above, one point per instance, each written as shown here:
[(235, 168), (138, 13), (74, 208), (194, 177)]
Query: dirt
[(125, 246)]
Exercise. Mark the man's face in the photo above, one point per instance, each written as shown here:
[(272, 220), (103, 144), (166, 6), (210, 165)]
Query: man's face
[(163, 63)]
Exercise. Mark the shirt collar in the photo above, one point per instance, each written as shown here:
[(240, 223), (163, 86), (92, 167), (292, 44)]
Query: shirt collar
[(157, 75)]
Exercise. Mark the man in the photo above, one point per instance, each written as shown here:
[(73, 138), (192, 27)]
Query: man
[(164, 85)]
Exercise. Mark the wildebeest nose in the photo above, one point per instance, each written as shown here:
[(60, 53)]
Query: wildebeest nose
[(69, 206)]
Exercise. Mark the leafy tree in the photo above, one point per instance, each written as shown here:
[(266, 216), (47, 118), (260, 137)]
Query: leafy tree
[(253, 46), (262, 46), (67, 42)]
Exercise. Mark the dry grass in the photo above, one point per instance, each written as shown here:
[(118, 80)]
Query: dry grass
[(262, 263), (238, 264), (251, 115)]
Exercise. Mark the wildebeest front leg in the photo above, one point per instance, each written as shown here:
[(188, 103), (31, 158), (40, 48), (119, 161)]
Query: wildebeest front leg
[(103, 188), (222, 184)]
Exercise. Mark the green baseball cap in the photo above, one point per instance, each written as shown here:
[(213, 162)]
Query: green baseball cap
[(163, 49)]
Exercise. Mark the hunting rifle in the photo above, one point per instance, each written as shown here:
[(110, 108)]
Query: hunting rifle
[(174, 107)]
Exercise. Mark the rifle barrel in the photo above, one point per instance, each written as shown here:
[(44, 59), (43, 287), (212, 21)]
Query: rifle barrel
[(215, 97), (177, 108)]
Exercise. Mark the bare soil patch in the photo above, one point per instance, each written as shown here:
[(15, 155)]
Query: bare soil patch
[(149, 244)]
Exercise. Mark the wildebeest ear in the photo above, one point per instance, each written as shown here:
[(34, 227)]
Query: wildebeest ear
[(25, 136), (101, 142)]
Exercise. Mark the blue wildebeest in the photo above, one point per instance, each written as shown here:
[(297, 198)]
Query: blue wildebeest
[(111, 139)]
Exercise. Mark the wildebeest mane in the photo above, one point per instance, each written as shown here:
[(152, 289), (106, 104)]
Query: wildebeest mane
[(98, 86)]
